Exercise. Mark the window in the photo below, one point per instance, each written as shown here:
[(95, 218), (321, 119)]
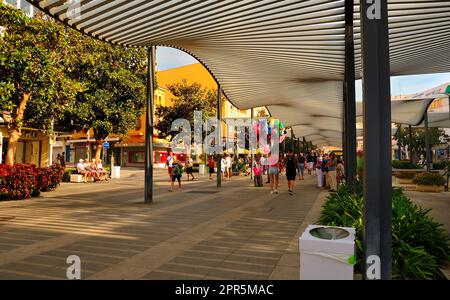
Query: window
[(136, 157)]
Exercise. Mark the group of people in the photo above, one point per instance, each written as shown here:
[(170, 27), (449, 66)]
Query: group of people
[(330, 171), (328, 168), (92, 171), (176, 168)]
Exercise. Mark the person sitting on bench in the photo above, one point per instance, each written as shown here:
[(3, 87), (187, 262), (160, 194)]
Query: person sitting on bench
[(81, 169)]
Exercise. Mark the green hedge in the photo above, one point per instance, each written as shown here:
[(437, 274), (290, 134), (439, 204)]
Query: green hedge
[(441, 165), (404, 164), (419, 245), (429, 179)]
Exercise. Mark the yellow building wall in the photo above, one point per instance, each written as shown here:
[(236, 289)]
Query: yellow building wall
[(36, 144)]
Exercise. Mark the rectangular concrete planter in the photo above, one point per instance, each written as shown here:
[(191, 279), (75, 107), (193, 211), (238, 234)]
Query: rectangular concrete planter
[(404, 180), (430, 188)]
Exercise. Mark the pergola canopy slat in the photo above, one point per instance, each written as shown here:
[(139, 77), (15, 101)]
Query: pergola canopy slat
[(286, 55)]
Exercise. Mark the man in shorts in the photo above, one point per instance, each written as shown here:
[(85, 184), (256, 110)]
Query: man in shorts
[(176, 175)]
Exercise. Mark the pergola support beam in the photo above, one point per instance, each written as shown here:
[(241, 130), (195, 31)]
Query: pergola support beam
[(219, 136), (377, 216), (349, 132), (150, 91)]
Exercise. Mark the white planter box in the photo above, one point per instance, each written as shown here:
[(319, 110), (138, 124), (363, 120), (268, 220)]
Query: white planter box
[(326, 259), (77, 178), (115, 172)]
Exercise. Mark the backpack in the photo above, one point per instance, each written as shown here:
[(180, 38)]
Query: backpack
[(177, 170)]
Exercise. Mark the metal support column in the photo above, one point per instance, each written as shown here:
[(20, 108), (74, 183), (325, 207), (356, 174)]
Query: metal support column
[(151, 56), (377, 218), (219, 136), (292, 140), (349, 134), (399, 141), (252, 115), (427, 142), (410, 143)]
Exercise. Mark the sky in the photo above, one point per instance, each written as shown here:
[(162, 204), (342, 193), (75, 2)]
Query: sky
[(168, 58)]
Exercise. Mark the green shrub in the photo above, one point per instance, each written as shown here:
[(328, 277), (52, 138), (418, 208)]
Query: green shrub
[(429, 179), (404, 164), (441, 165), (419, 245), (405, 175), (67, 173)]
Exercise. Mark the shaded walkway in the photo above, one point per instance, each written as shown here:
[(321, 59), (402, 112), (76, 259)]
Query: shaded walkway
[(239, 232)]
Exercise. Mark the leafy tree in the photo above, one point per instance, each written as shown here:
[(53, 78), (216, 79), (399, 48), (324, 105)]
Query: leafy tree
[(418, 138), (262, 113), (114, 92), (188, 98), (34, 58)]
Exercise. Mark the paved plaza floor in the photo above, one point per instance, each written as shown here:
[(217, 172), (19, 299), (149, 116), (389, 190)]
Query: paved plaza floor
[(235, 232)]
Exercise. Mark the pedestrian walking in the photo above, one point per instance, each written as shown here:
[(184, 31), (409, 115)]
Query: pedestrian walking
[(291, 170), (301, 166), (331, 172), (177, 171), (211, 165), (274, 173), (189, 167)]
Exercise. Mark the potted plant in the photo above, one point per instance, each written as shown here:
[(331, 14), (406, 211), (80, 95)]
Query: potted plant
[(429, 182), (404, 178)]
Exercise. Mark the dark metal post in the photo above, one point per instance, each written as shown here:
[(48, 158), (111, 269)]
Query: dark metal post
[(249, 144), (427, 142), (151, 55), (292, 140), (399, 140), (219, 136), (349, 97), (410, 143), (377, 139)]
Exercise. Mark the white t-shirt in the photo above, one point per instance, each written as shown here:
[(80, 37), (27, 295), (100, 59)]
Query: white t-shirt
[(223, 164), (228, 161), (80, 167), (169, 161)]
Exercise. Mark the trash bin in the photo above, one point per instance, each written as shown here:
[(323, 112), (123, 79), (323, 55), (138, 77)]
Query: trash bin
[(115, 172), (201, 169), (327, 253)]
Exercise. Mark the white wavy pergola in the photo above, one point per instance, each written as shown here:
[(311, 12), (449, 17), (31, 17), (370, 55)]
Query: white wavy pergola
[(286, 55)]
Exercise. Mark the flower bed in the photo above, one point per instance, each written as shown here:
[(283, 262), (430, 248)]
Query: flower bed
[(429, 182), (22, 181), (419, 245)]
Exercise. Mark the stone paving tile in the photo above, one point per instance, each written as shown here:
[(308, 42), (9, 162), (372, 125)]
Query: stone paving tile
[(118, 227)]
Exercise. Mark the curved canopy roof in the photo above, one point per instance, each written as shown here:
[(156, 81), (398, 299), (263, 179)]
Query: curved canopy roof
[(286, 55)]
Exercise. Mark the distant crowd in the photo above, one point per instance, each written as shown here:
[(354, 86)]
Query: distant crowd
[(328, 168)]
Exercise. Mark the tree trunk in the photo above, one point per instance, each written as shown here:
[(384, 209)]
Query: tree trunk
[(98, 151), (14, 136), (15, 128)]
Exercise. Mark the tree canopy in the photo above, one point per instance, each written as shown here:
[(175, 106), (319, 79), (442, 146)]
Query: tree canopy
[(55, 77), (187, 99)]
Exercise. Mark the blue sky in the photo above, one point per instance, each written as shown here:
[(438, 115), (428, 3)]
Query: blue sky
[(168, 58)]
